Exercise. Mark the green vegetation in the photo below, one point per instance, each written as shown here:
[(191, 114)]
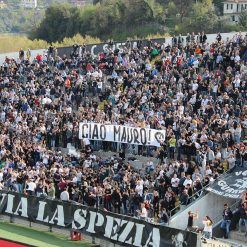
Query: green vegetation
[(37, 238), (11, 43), (243, 20), (19, 20), (16, 19), (121, 19), (116, 19)]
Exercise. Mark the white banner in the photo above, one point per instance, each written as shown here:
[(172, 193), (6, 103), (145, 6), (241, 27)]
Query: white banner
[(120, 133)]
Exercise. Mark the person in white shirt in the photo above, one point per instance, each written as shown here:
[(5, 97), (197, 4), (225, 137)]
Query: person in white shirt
[(30, 187), (74, 179), (87, 163), (237, 58), (196, 64), (174, 183), (204, 101), (187, 181), (143, 213), (237, 82), (149, 166), (208, 227), (210, 154), (208, 171), (194, 86), (139, 188), (86, 141), (218, 154), (231, 161), (1, 175), (64, 196)]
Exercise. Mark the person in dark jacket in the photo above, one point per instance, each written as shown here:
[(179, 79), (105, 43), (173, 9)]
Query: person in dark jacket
[(226, 222), (191, 217), (107, 198), (156, 200), (116, 200), (91, 199), (184, 198), (136, 200), (125, 201), (163, 217), (243, 217), (219, 37)]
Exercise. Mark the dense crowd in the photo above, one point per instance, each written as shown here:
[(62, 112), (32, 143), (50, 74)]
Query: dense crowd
[(194, 89)]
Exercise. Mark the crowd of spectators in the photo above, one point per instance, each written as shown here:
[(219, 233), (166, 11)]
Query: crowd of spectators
[(194, 89)]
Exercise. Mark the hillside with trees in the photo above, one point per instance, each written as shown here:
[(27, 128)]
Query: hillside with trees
[(121, 19), (16, 19), (54, 20)]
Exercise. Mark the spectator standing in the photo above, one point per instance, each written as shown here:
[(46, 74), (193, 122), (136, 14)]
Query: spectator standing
[(243, 217), (64, 195), (226, 222), (30, 187), (51, 191), (208, 227), (143, 213), (116, 201), (191, 217), (184, 199), (163, 217)]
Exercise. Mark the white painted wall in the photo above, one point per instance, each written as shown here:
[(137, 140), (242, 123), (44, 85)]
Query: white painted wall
[(234, 7), (15, 55), (230, 8), (29, 4), (211, 205)]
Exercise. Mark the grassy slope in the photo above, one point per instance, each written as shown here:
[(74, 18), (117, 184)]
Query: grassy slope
[(37, 238)]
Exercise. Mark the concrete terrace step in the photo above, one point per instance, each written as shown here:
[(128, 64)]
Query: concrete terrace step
[(137, 161), (238, 236), (232, 242)]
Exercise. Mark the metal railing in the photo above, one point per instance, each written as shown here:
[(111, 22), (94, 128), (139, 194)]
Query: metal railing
[(193, 198), (233, 208)]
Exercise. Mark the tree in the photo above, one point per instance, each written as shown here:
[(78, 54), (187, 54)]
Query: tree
[(97, 1), (201, 18), (54, 27), (109, 18), (137, 12), (243, 19), (181, 9), (219, 5)]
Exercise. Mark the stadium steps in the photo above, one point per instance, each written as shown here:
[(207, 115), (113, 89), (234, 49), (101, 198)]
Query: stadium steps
[(137, 161), (238, 236), (233, 242), (209, 204)]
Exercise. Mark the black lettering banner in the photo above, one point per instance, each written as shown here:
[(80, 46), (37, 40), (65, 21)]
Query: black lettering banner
[(115, 228), (232, 186), (120, 133), (95, 49)]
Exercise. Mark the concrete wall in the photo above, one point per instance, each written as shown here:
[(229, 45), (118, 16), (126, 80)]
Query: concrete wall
[(234, 7), (210, 204), (15, 55)]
